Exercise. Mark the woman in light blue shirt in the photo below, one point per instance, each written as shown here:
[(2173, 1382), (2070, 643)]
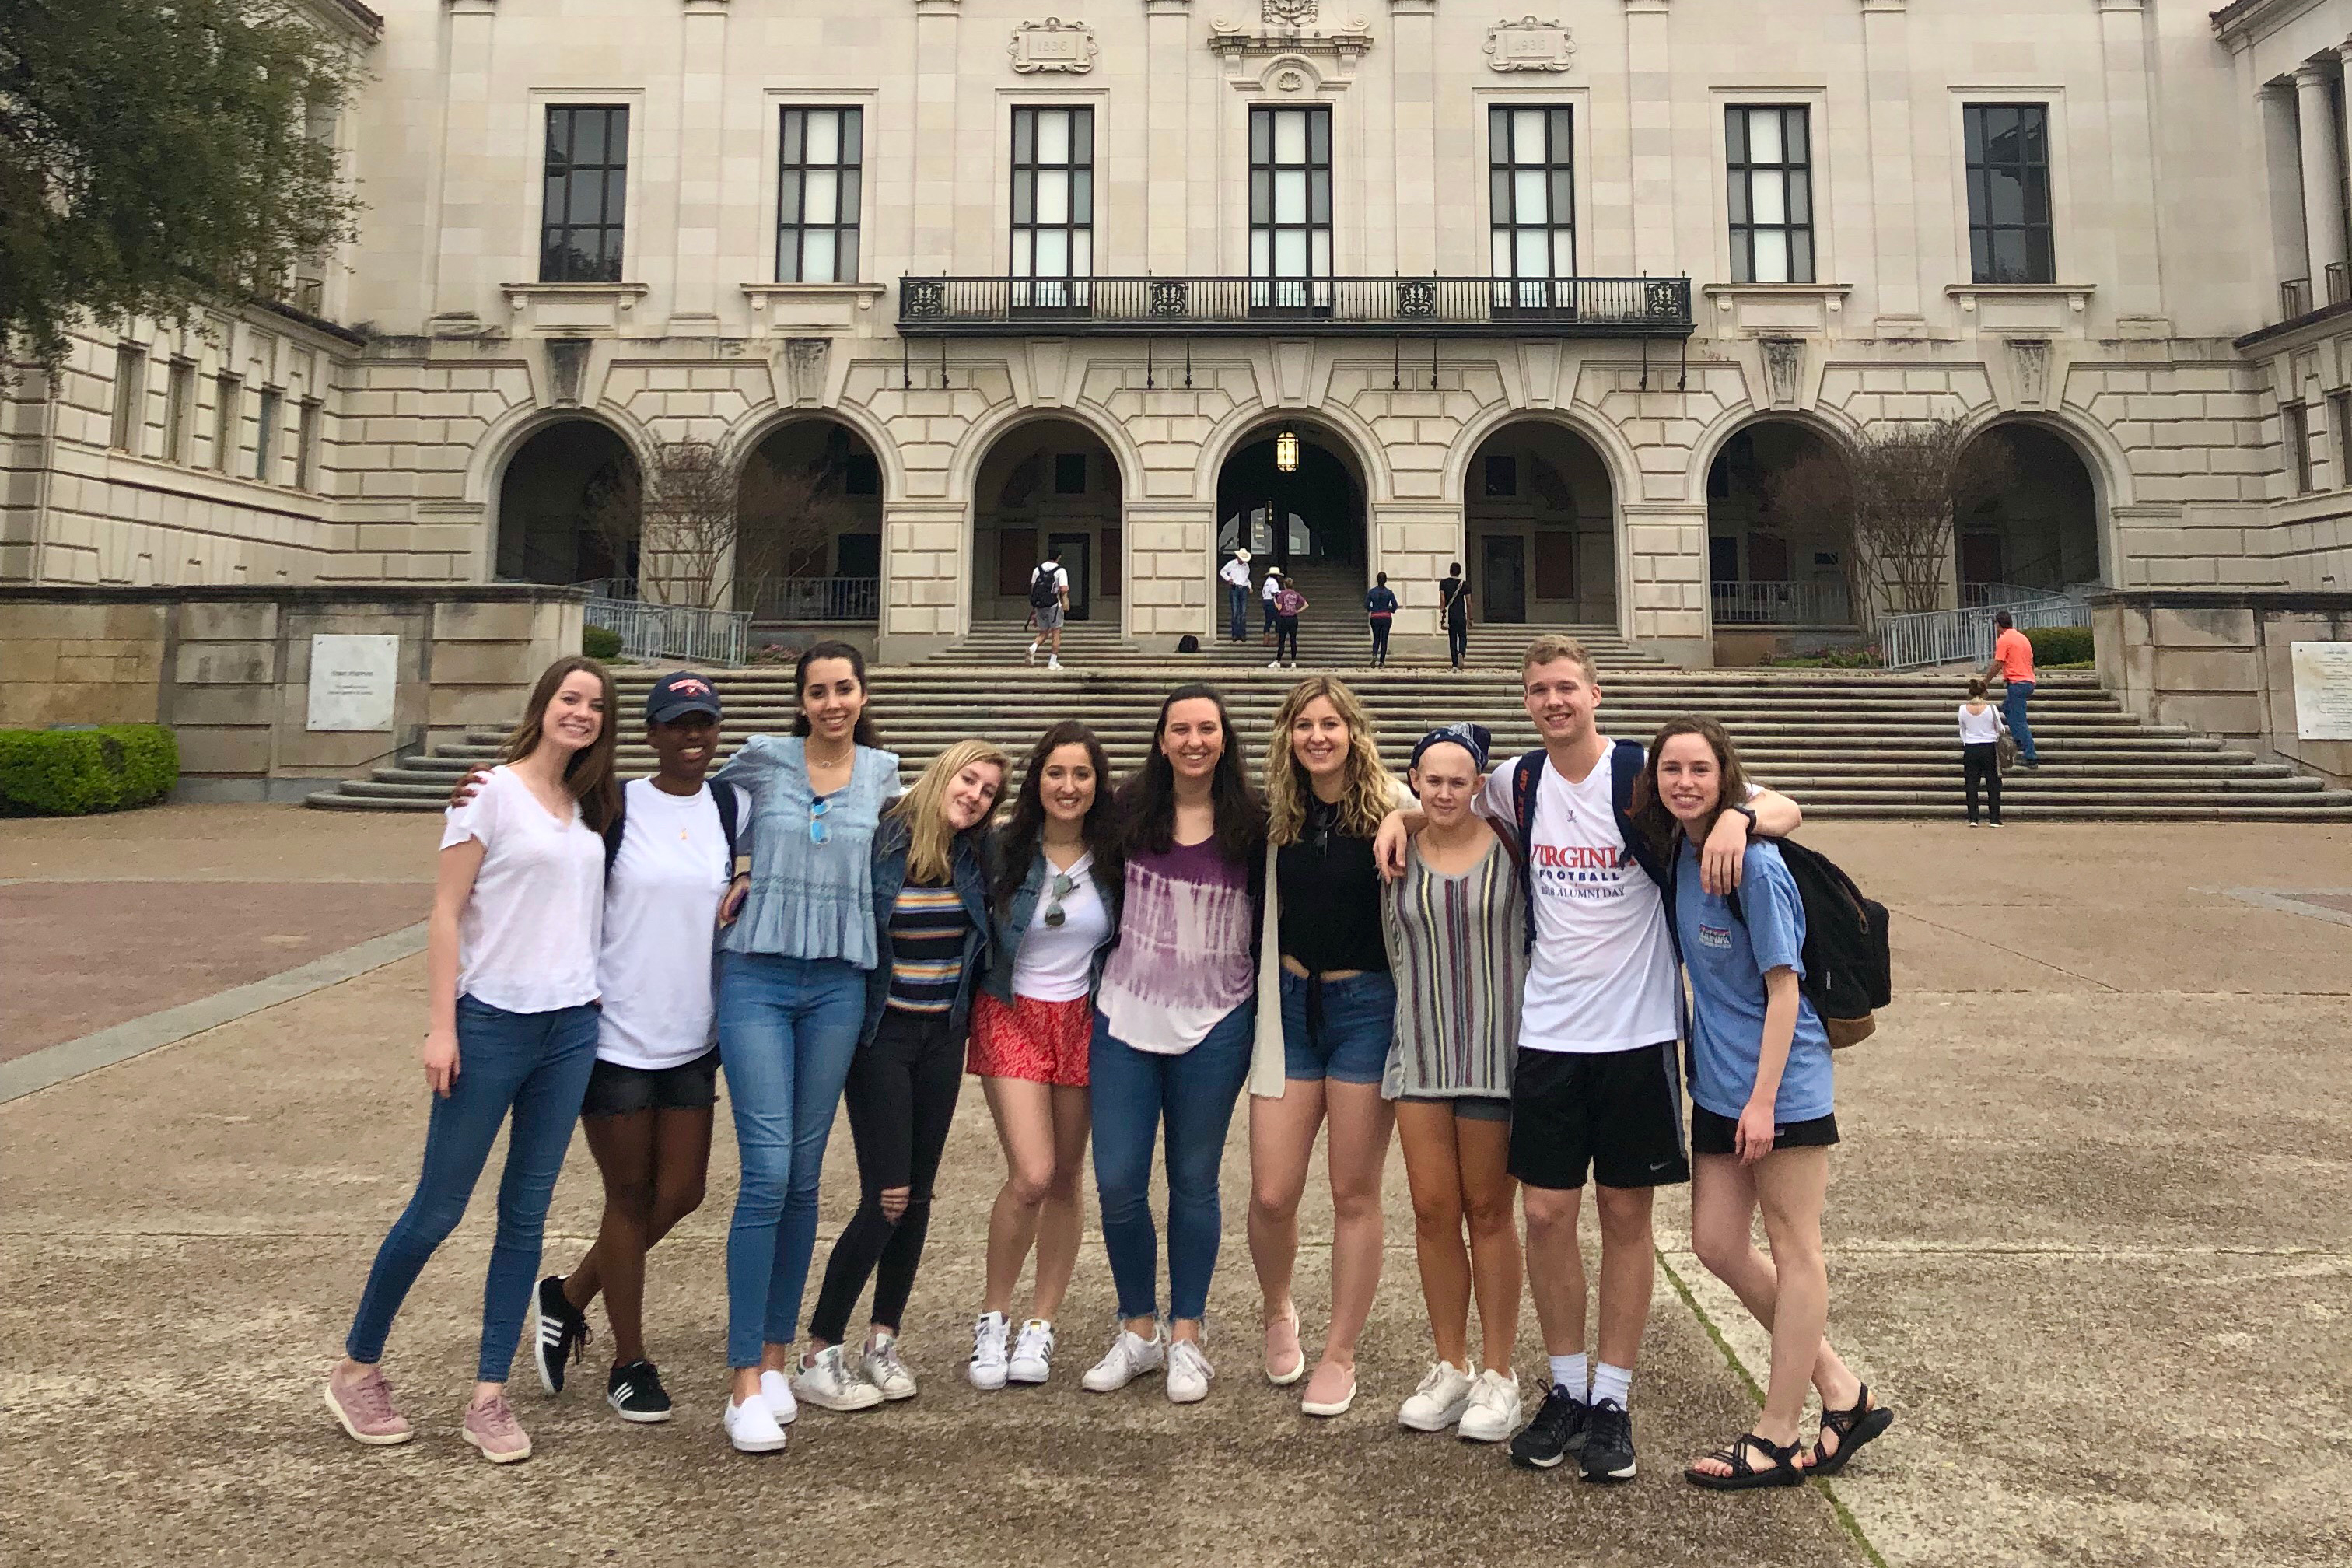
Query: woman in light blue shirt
[(1762, 1121), (792, 996)]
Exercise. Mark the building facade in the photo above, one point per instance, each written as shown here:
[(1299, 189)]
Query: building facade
[(1562, 295)]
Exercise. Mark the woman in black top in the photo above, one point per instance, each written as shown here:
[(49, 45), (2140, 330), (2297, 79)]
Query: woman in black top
[(1322, 1050)]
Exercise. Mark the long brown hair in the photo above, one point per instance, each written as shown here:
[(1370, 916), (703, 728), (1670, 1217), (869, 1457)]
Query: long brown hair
[(862, 733), (930, 849), (1146, 801), (589, 774), (1026, 829), (1650, 814), (1369, 790)]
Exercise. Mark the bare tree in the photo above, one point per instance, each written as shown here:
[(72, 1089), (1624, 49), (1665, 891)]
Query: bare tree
[(1892, 501), (788, 518), (701, 535)]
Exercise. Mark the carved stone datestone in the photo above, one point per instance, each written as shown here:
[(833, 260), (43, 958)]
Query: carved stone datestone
[(1290, 12), (1529, 45), (1053, 45)]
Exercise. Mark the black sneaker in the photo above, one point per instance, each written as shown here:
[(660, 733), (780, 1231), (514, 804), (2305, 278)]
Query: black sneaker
[(562, 1331), (1609, 1443), (636, 1393), (1558, 1431)]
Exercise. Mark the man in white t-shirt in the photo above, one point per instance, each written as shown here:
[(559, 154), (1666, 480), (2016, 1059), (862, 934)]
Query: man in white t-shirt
[(1597, 1085), (1049, 603), (1235, 576)]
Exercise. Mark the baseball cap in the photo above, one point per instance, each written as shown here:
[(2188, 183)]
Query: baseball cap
[(674, 696)]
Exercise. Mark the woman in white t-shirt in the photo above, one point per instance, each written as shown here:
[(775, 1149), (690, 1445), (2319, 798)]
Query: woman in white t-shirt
[(1981, 748), (648, 1114), (1031, 1027), (511, 971)]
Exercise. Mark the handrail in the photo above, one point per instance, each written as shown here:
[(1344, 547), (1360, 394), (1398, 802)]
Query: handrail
[(671, 631), (1917, 639), (814, 599), (1780, 604)]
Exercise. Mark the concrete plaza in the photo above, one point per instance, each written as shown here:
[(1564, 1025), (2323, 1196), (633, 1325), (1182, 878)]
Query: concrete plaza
[(2091, 1235)]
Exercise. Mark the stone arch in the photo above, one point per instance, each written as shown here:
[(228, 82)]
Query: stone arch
[(505, 437), (748, 434), (810, 489), (2057, 558), (515, 546), (972, 450), (1046, 481), (1831, 425), (1242, 421), (1770, 568), (1616, 454), (1540, 537)]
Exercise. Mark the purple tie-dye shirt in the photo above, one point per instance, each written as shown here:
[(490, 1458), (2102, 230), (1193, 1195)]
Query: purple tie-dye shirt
[(1186, 948)]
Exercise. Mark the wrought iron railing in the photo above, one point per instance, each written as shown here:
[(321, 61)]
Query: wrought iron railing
[(1965, 636), (816, 599), (2294, 298), (1442, 307), (1783, 604), (672, 631)]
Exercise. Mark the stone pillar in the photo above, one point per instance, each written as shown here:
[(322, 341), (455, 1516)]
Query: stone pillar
[(1662, 599), (2281, 160), (1649, 88), (700, 157), (2131, 161), (938, 160), (1414, 59), (1893, 181), (1414, 543), (925, 559), (1170, 565), (1168, 150), (465, 193), (2323, 203)]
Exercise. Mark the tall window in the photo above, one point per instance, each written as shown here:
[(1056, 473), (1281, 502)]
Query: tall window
[(2009, 192), (1053, 204), (2294, 421), (818, 195), (2339, 405), (229, 393), (1290, 206), (306, 445), (179, 398), (1769, 150), (587, 191), (130, 395), (265, 435), (1531, 188)]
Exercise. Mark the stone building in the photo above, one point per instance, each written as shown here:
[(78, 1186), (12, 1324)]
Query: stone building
[(1556, 293)]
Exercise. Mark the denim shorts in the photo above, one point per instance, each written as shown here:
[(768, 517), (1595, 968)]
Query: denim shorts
[(1350, 1040)]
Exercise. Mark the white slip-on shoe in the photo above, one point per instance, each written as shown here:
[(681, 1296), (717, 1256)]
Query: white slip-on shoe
[(752, 1427), (1054, 661), (986, 1370), (1440, 1400), (1130, 1357), (1189, 1372), (829, 1382), (777, 1390), (1493, 1413), (1033, 1353), (881, 1367)]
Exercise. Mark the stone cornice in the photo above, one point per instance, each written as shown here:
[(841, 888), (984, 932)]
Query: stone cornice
[(2241, 24)]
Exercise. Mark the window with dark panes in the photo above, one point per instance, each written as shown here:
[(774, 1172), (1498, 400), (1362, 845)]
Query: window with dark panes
[(229, 393), (130, 395), (1290, 204), (1769, 152), (1531, 192), (586, 195), (2294, 420), (818, 195), (1069, 473), (2339, 405), (179, 399), (1053, 204), (2010, 239), (265, 435), (1502, 475), (306, 445)]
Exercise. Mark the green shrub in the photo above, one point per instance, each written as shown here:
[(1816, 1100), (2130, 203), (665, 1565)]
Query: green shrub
[(601, 642), (67, 773), (2061, 645)]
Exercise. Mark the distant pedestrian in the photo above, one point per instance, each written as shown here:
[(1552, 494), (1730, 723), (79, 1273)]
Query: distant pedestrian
[(1381, 608), (1235, 576), (2012, 656), (1265, 598), (1049, 605), (1289, 603), (1981, 748), (1454, 609)]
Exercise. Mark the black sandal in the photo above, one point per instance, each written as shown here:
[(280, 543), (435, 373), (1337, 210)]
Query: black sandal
[(1853, 1427), (1784, 1471)]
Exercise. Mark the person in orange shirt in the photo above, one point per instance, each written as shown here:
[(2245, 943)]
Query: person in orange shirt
[(2012, 656)]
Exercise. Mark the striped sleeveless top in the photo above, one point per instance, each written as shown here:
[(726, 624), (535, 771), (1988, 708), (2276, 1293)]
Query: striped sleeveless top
[(927, 930), (1457, 950)]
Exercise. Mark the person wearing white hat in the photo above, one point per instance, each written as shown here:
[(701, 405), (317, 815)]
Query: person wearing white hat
[(1235, 576), (1266, 599)]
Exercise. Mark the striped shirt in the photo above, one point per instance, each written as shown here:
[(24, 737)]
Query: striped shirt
[(927, 933), (1457, 949)]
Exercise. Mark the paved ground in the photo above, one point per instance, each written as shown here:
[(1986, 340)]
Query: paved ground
[(2092, 1234)]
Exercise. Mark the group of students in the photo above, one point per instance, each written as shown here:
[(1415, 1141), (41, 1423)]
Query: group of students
[(1285, 603), (1486, 963)]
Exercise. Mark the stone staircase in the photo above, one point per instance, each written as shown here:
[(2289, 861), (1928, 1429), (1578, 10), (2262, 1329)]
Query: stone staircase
[(1845, 744)]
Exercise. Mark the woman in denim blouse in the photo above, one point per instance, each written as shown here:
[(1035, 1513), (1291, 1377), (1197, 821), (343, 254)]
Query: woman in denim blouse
[(792, 998)]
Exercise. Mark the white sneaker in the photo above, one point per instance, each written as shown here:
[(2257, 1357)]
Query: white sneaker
[(1188, 1372), (1033, 1353), (1440, 1400), (986, 1368), (1130, 1357), (1493, 1412), (1274, 664), (1053, 661), (881, 1367), (830, 1382), (777, 1390), (752, 1427), (1033, 653)]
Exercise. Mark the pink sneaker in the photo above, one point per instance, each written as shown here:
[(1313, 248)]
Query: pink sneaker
[(491, 1426), (1285, 1364), (364, 1408)]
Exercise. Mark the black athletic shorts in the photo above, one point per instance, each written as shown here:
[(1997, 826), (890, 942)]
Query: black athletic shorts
[(1615, 1114), (617, 1091), (1712, 1134)]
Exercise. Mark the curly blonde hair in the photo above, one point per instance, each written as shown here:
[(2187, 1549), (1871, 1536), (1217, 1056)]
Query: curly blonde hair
[(1370, 789), (932, 847)]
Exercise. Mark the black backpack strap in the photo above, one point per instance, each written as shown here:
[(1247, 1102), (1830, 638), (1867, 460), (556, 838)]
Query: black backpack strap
[(1526, 779), (613, 832), (730, 806), (1625, 763)]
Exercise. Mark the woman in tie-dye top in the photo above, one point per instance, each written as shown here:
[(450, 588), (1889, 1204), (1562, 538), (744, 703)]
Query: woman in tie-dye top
[(1172, 1031)]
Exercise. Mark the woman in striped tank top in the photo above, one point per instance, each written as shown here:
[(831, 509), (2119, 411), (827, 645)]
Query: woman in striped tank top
[(930, 930), (1457, 930)]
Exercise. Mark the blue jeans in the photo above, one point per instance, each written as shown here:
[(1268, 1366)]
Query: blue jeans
[(1134, 1092), (2014, 696), (536, 1065), (1239, 596), (787, 1029), (1345, 1034)]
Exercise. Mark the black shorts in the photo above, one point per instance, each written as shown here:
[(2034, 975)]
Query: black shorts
[(1617, 1114), (617, 1091), (1712, 1134)]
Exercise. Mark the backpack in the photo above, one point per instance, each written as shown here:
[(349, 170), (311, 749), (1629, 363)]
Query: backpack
[(1625, 761), (721, 795), (1849, 972), (1187, 642), (1044, 586)]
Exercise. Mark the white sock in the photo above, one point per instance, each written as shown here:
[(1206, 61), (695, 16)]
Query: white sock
[(1613, 1383), (1567, 1372)]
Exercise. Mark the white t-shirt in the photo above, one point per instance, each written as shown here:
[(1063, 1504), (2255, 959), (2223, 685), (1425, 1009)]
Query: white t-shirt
[(1054, 963), (1980, 729), (527, 940), (1272, 586), (1602, 977), (661, 914), (1235, 572)]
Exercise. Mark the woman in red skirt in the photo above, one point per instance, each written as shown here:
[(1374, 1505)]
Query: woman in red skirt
[(1057, 908)]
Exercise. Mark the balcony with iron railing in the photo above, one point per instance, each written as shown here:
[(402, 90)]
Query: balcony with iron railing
[(1412, 307), (1781, 604), (2295, 297), (820, 599)]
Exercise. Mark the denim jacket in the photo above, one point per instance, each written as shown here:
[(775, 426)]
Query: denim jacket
[(1012, 924), (892, 839)]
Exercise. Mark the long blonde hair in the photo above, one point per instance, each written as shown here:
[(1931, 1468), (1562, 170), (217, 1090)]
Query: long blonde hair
[(930, 848), (1369, 790)]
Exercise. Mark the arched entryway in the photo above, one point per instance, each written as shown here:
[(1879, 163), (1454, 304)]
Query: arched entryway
[(567, 506), (1290, 492), (1775, 555), (2036, 525), (809, 541), (1539, 521), (1045, 485)]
